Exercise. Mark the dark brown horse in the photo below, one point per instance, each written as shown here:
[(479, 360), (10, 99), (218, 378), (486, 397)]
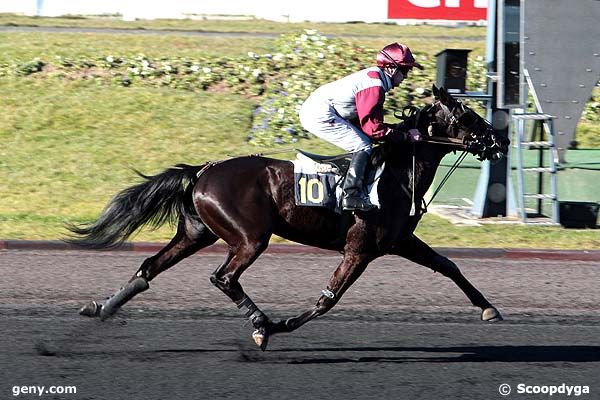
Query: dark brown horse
[(245, 200)]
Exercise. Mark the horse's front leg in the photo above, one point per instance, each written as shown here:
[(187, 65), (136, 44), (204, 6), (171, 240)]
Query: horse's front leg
[(415, 250), (351, 267)]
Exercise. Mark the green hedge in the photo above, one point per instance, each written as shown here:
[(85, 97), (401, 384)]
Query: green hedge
[(278, 81)]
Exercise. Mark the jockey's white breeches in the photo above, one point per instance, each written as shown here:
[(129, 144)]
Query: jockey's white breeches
[(320, 118)]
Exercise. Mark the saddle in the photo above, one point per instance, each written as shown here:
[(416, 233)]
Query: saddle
[(318, 180), (339, 163)]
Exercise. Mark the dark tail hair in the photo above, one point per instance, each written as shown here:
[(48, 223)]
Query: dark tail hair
[(160, 199)]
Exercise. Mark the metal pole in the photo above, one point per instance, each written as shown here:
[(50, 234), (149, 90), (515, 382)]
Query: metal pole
[(540, 165)]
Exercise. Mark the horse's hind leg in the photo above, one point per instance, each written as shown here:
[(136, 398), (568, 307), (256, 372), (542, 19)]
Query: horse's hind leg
[(415, 250), (191, 236), (226, 278)]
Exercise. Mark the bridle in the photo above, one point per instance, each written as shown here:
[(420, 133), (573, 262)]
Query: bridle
[(455, 123), (412, 112)]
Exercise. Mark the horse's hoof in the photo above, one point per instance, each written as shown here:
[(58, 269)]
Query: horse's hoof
[(261, 338), (490, 314), (91, 309)]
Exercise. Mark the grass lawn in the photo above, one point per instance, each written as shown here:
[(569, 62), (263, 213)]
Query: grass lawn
[(249, 25), (68, 147), (25, 46)]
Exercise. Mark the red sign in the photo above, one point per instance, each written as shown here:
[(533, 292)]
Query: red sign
[(461, 10)]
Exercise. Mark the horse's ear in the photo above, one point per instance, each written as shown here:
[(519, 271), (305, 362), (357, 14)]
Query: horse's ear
[(444, 96), (435, 90)]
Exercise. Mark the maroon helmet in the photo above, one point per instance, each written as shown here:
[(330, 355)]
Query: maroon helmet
[(396, 55)]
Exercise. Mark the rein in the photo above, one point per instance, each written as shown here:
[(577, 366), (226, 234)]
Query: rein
[(445, 140), (458, 161), (412, 111), (413, 205)]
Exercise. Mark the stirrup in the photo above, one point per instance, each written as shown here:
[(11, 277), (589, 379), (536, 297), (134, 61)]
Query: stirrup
[(357, 204)]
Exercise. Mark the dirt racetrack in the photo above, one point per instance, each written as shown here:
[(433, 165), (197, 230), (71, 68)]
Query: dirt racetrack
[(401, 332)]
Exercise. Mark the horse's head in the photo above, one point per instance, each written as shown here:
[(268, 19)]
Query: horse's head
[(452, 122)]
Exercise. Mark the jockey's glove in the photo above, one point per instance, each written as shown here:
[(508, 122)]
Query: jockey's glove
[(399, 135), (413, 135)]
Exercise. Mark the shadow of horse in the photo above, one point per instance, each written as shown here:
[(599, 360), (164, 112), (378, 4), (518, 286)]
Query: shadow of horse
[(454, 354)]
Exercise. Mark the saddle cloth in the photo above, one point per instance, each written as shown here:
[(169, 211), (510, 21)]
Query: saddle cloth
[(320, 185)]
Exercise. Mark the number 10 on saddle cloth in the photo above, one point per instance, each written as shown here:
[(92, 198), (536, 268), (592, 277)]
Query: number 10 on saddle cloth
[(320, 185)]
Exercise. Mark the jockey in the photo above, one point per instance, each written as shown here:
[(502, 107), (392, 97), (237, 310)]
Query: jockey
[(349, 113)]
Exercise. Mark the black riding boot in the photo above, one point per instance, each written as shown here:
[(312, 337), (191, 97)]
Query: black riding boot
[(355, 197)]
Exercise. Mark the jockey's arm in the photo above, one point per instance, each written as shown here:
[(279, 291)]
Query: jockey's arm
[(369, 107)]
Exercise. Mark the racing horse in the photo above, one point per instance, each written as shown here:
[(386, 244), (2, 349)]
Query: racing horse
[(245, 200)]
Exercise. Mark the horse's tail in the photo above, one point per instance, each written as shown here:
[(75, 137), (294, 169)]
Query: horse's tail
[(160, 199)]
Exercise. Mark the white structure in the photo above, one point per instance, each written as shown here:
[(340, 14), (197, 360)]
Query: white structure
[(277, 10)]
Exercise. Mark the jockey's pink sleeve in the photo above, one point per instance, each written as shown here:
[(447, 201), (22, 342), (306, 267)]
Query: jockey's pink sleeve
[(369, 107)]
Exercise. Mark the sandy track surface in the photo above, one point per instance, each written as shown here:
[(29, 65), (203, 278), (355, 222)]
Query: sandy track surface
[(400, 332)]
